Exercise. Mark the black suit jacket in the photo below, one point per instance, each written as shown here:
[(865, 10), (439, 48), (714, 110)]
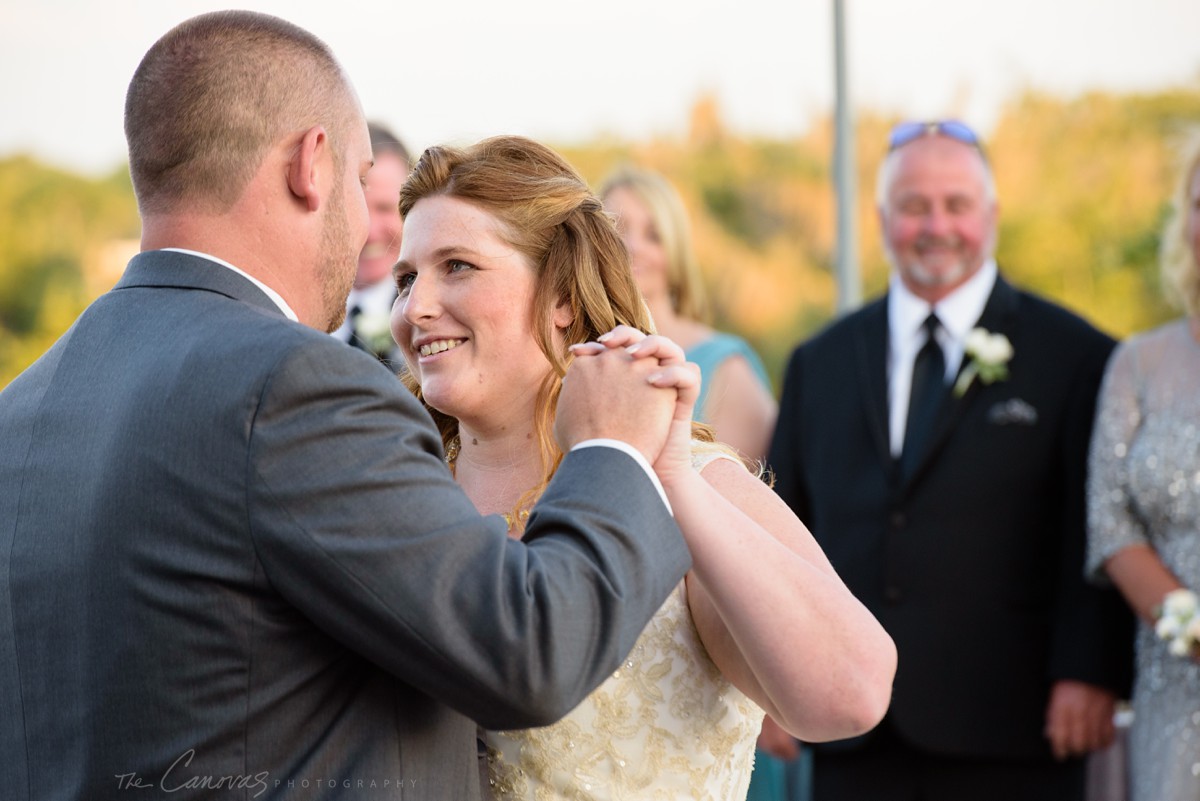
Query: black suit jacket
[(231, 554), (974, 563)]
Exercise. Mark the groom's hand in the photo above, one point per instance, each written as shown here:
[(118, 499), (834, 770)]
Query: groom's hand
[(675, 460), (607, 393)]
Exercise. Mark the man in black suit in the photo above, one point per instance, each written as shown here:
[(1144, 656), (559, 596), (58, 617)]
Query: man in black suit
[(942, 470), (369, 305), (233, 562)]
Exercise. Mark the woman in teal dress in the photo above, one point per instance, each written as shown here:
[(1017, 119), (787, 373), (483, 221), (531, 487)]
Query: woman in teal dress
[(711, 353), (735, 398), (735, 393)]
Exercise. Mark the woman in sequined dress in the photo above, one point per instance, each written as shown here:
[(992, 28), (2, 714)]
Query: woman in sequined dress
[(507, 262), (1144, 506)]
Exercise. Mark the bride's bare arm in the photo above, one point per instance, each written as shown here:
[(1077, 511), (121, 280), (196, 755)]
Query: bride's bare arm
[(771, 611), (773, 614)]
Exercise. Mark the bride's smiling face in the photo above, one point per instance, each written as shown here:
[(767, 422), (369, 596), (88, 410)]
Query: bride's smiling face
[(464, 316)]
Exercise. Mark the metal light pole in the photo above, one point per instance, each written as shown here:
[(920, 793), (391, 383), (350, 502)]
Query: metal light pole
[(849, 282)]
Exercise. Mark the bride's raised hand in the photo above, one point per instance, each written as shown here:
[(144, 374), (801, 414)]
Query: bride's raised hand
[(674, 372)]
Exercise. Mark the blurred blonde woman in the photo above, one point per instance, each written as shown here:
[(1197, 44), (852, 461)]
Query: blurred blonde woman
[(1144, 504), (509, 267), (735, 394)]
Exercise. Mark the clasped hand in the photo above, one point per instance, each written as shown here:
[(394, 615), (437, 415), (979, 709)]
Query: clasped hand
[(635, 388)]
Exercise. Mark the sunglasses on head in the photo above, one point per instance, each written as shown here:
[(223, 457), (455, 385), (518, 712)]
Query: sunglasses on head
[(906, 132)]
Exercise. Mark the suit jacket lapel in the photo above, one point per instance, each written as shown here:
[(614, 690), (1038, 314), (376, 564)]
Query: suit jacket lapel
[(998, 315), (871, 344), (165, 268)]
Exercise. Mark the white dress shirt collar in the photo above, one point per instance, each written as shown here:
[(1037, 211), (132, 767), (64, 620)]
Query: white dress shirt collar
[(958, 313), (275, 297), (374, 298)]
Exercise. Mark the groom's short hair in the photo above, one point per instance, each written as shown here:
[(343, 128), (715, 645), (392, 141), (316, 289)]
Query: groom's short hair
[(214, 94)]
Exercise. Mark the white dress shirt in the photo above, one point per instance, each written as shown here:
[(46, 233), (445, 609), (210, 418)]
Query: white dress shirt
[(275, 297), (372, 301), (958, 313)]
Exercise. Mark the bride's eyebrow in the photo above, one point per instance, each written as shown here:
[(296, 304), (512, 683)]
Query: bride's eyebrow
[(455, 251), (441, 254)]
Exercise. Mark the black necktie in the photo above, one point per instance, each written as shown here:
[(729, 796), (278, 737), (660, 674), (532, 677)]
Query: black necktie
[(354, 314), (928, 390)]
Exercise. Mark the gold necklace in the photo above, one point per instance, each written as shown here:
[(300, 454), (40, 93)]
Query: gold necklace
[(510, 518), (452, 449), (522, 516)]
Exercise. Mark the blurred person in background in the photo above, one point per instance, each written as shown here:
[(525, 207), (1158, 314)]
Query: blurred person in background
[(1144, 504), (935, 442), (369, 306), (735, 397)]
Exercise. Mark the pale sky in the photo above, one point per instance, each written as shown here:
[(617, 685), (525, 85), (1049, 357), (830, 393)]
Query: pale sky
[(565, 71)]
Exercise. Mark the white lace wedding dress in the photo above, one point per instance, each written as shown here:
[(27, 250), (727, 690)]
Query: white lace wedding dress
[(666, 726)]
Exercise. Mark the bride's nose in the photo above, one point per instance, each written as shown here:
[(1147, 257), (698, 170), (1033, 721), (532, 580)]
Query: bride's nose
[(421, 301)]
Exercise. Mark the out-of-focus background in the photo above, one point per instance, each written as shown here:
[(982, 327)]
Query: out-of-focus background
[(1079, 103)]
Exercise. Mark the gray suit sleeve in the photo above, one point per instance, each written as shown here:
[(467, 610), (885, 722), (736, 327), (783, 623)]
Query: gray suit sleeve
[(359, 524)]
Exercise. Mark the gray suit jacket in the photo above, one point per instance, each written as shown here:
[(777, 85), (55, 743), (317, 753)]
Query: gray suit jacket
[(233, 564)]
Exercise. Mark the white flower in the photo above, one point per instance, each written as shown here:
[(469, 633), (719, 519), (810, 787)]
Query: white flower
[(989, 355), (988, 348), (1178, 622), (375, 330), (1167, 627), (976, 340), (1180, 603)]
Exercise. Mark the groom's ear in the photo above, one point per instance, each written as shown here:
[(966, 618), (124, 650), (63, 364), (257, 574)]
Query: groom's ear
[(304, 169)]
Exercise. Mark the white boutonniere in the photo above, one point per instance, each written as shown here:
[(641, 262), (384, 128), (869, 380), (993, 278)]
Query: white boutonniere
[(1178, 622), (989, 355), (375, 331)]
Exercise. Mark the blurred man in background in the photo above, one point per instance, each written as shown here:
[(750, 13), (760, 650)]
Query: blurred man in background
[(942, 470), (369, 307)]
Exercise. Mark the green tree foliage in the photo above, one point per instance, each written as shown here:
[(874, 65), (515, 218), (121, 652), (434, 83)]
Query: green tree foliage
[(1084, 188), (1083, 183), (52, 225)]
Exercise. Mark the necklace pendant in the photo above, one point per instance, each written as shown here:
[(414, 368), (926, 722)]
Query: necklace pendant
[(521, 517)]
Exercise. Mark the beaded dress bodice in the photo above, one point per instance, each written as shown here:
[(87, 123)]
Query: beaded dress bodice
[(666, 726)]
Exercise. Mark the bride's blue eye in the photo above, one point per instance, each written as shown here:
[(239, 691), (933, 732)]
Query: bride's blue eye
[(404, 282), (456, 266)]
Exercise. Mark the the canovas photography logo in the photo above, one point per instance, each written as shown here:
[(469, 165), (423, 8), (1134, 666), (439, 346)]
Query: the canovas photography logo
[(177, 777), (180, 775)]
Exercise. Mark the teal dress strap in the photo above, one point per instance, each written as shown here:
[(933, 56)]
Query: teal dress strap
[(710, 353)]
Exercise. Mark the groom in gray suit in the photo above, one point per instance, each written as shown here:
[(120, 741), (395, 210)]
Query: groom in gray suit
[(232, 561)]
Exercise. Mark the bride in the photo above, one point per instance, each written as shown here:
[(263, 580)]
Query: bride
[(508, 264)]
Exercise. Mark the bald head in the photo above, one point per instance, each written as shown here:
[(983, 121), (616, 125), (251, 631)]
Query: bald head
[(937, 205), (213, 95)]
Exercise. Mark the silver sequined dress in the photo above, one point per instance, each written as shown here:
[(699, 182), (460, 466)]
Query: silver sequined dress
[(1144, 487)]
